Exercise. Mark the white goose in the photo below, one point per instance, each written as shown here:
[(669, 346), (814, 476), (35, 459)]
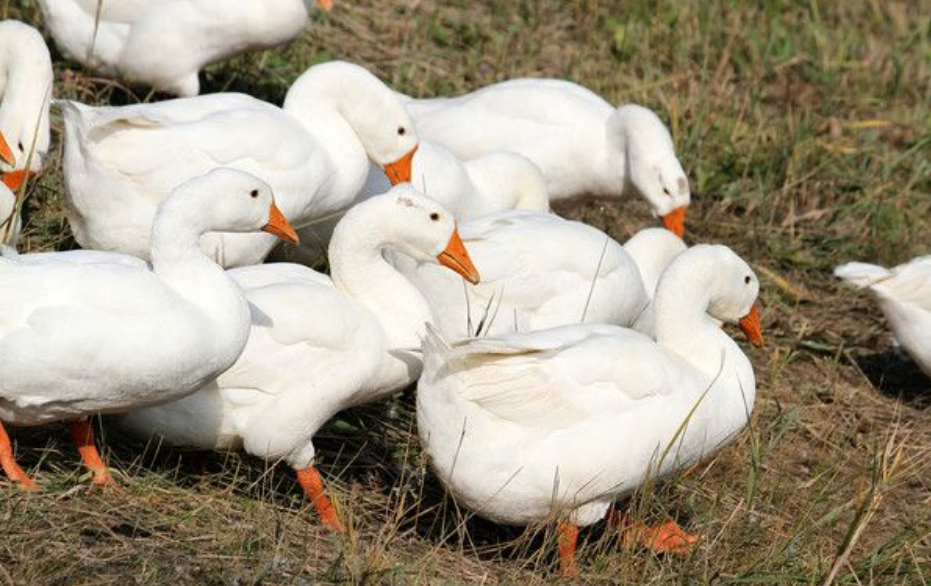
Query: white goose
[(472, 187), (10, 223), (318, 345), (468, 189), (120, 163), (904, 296), (565, 421), (25, 91), (652, 249), (164, 43), (583, 145), (86, 332), (541, 271)]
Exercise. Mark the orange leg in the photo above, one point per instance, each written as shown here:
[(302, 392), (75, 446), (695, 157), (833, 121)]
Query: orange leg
[(312, 484), (667, 537), (83, 435), (12, 469), (568, 535)]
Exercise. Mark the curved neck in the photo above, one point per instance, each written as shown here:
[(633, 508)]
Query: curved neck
[(682, 322), (325, 107), (25, 87), (616, 163), (359, 269), (179, 262), (684, 326)]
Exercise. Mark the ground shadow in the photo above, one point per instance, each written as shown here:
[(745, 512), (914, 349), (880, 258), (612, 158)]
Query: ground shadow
[(897, 376)]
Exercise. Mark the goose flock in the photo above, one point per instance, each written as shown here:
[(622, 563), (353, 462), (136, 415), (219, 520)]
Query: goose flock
[(556, 369)]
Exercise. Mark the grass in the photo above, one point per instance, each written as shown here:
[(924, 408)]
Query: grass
[(805, 127)]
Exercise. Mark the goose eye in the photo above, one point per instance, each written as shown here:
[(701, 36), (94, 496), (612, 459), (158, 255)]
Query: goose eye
[(254, 193), (20, 146), (401, 131), (666, 191), (435, 217), (747, 279)]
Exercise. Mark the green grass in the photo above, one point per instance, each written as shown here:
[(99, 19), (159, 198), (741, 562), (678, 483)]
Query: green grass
[(805, 128)]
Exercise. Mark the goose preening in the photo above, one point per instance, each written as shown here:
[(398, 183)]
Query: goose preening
[(583, 145), (121, 162), (320, 344), (88, 332), (564, 421), (165, 43)]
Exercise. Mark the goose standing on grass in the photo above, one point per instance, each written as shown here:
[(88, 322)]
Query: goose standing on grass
[(165, 43), (582, 144), (904, 296), (565, 421), (121, 162), (25, 96), (541, 271), (320, 344), (86, 332)]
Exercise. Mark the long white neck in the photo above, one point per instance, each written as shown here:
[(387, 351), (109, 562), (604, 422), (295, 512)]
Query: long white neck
[(359, 270), (326, 106), (25, 87), (178, 260), (615, 162), (683, 325)]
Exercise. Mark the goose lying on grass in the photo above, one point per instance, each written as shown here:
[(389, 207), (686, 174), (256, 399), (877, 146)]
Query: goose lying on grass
[(563, 422), (88, 332), (320, 344)]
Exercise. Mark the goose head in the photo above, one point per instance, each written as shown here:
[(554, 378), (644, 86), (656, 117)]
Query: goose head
[(226, 200), (25, 87), (733, 291), (376, 113), (652, 166), (408, 222)]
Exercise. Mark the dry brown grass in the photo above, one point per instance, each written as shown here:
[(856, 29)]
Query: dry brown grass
[(806, 131)]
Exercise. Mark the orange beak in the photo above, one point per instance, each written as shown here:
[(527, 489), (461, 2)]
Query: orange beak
[(279, 225), (14, 179), (674, 221), (455, 257), (327, 5), (750, 326), (400, 170), (6, 154)]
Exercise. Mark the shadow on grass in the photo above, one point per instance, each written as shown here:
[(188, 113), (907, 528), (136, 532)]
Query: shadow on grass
[(895, 375)]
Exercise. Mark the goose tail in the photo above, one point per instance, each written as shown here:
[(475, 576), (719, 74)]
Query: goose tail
[(860, 274)]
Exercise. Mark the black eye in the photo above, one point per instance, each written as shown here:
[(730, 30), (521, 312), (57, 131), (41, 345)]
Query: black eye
[(20, 145), (666, 191), (747, 279), (401, 131), (435, 217), (254, 193)]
